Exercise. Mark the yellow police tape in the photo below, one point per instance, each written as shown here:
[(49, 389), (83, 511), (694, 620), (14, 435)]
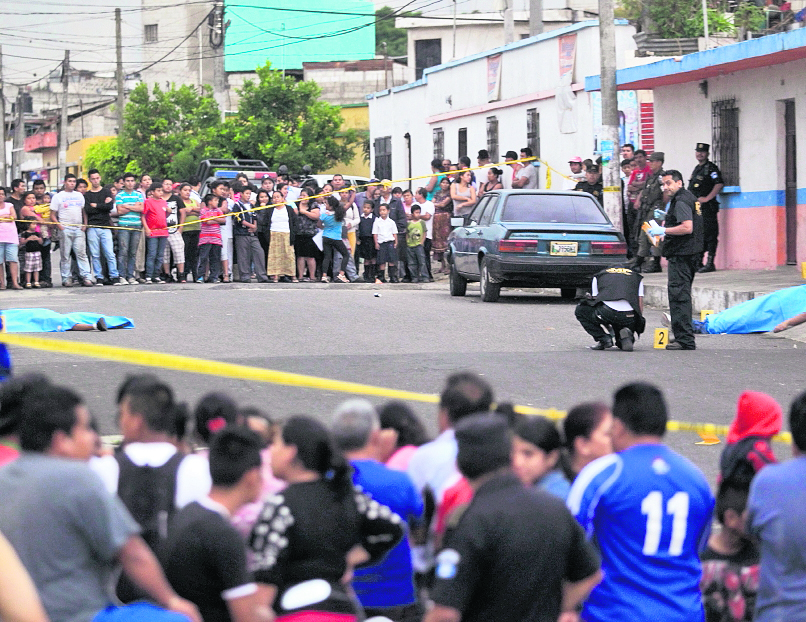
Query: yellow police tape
[(315, 196), (220, 369)]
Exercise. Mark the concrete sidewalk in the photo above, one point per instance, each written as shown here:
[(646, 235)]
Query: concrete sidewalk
[(724, 288), (727, 288)]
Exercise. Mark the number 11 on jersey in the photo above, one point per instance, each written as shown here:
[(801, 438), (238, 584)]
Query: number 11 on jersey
[(677, 507)]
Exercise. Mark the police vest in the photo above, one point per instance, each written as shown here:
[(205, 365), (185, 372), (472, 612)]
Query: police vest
[(691, 244), (619, 284)]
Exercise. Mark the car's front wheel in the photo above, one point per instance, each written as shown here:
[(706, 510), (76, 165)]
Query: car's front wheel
[(490, 291), (458, 282)]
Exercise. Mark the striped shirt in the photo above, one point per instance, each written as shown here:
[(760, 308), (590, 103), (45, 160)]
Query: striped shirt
[(129, 219), (210, 230)]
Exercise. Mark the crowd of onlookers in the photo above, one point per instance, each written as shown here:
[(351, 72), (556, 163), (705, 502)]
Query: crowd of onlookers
[(225, 514)]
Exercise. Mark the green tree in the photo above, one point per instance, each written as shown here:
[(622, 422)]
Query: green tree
[(167, 132), (282, 121), (107, 156), (385, 31)]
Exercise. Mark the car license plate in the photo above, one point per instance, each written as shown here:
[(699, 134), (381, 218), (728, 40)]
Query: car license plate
[(564, 249)]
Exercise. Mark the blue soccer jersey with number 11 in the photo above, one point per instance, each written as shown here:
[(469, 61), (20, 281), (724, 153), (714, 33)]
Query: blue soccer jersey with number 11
[(649, 511)]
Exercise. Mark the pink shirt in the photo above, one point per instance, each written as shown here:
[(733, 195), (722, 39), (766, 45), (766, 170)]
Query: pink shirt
[(400, 459), (8, 228)]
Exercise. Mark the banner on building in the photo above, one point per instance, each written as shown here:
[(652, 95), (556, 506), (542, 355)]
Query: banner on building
[(627, 115), (568, 53), (494, 77)]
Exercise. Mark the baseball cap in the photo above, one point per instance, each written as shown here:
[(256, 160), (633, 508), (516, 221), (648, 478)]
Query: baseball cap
[(575, 159), (657, 156), (511, 155)]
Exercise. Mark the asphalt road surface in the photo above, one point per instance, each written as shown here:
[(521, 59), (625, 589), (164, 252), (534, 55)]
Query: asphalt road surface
[(530, 347)]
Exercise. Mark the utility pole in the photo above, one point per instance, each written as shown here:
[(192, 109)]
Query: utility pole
[(454, 30), (609, 145), (217, 43), (509, 22), (705, 24), (64, 121), (19, 137), (385, 65), (535, 17), (3, 170), (119, 50)]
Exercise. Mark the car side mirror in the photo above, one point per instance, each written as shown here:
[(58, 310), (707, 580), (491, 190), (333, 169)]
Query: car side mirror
[(457, 222)]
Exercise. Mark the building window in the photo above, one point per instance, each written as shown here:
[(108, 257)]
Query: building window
[(151, 33), (533, 131), (427, 53), (492, 138), (439, 143), (725, 139), (383, 157), (462, 142)]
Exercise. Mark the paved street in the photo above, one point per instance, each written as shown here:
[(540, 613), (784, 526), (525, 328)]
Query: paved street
[(529, 346)]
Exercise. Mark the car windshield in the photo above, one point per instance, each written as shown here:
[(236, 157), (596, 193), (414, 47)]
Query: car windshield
[(552, 208)]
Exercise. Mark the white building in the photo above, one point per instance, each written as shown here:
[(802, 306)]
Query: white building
[(530, 92), (747, 101), (433, 40)]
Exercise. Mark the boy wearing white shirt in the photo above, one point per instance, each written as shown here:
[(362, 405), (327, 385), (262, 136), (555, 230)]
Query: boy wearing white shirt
[(384, 230), (427, 211), (67, 211)]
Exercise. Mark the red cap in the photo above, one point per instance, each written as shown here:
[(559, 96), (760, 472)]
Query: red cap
[(575, 159)]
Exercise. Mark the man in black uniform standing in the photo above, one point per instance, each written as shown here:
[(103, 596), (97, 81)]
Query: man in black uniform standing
[(683, 232), (706, 183), (616, 300), (651, 200), (516, 553), (592, 183)]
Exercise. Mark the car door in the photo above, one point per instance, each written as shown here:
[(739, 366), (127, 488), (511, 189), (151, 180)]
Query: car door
[(465, 238), (479, 239)]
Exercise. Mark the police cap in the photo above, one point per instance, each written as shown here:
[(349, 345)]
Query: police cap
[(702, 147)]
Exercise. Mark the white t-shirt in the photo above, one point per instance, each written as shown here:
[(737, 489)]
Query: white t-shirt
[(530, 172), (69, 206), (385, 228), (226, 228), (193, 481), (427, 207), (279, 220), (293, 193), (616, 305)]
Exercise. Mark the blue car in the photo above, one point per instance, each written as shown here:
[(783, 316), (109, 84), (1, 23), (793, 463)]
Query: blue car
[(532, 238)]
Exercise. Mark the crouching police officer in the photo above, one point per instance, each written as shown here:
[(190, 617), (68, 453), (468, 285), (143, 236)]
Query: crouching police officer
[(616, 302)]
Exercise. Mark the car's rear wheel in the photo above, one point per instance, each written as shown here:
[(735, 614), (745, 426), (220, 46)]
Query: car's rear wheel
[(568, 293), (458, 282), (489, 291)]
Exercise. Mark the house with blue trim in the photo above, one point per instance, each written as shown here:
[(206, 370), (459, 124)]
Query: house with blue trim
[(748, 101)]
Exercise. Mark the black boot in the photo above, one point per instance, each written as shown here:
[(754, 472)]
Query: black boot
[(393, 274), (653, 265), (371, 271), (379, 277), (708, 267)]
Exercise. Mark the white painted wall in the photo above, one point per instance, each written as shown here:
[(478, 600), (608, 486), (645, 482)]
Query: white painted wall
[(529, 68), (683, 118)]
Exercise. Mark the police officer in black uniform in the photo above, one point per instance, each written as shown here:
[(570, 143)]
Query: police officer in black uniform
[(683, 232), (592, 183), (651, 201), (514, 548), (706, 183), (617, 303)]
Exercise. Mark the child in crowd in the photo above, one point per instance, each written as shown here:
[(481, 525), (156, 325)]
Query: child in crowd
[(210, 239), (32, 240), (155, 227), (730, 564), (333, 220), (384, 232), (415, 238), (749, 443), (366, 243), (536, 449)]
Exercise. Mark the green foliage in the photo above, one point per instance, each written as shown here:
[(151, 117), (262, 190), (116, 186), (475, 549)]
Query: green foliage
[(749, 17), (164, 131), (282, 121), (683, 18), (108, 158), (395, 38)]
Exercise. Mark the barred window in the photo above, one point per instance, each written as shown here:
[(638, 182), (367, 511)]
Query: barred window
[(492, 138), (150, 33), (533, 131), (725, 139), (439, 143), (383, 157)]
